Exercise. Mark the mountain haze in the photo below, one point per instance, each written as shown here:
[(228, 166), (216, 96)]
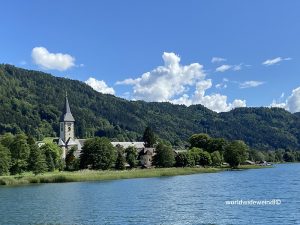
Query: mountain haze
[(32, 102)]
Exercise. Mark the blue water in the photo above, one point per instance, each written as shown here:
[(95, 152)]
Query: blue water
[(192, 199)]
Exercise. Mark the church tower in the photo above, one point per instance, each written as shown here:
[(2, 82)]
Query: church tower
[(67, 120)]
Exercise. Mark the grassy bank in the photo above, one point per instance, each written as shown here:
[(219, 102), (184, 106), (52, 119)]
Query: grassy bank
[(89, 175), (92, 175)]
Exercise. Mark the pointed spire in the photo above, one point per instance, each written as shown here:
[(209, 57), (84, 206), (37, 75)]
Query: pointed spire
[(67, 116), (67, 106)]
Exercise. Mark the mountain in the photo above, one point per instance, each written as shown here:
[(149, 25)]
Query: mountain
[(32, 102)]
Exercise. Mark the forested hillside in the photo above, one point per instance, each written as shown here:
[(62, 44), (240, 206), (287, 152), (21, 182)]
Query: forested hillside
[(32, 102)]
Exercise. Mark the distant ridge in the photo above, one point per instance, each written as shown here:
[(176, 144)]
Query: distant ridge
[(32, 101)]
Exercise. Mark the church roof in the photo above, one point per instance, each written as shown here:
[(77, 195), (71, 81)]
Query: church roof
[(138, 145), (70, 142), (67, 116), (61, 142)]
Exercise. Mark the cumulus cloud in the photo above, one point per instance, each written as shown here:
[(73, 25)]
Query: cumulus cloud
[(251, 84), (217, 59), (270, 62), (292, 102), (52, 61), (173, 82), (215, 102), (223, 68), (100, 86)]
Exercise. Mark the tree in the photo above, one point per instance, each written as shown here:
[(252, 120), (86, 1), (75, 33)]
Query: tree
[(97, 153), (288, 157), (184, 159), (194, 155), (5, 160), (278, 155), (37, 160), (256, 156), (204, 159), (216, 158), (216, 144), (70, 161), (200, 141), (236, 153), (164, 156), (131, 156), (53, 155), (120, 161), (19, 154), (7, 139), (149, 138)]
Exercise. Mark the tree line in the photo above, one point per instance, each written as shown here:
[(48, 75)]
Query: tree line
[(20, 153)]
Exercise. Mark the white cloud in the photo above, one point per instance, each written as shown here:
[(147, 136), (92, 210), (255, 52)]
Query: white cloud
[(217, 59), (223, 68), (237, 67), (292, 102), (52, 61), (221, 86), (226, 67), (215, 102), (251, 83), (172, 82), (278, 105), (100, 86), (270, 62)]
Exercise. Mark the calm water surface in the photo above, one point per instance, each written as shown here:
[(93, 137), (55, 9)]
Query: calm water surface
[(193, 199)]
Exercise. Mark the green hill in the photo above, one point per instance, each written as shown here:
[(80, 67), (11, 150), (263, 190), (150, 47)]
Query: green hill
[(32, 101)]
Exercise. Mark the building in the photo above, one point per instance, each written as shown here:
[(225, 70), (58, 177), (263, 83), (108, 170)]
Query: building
[(67, 139)]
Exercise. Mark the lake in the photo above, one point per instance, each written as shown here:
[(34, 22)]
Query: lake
[(192, 199)]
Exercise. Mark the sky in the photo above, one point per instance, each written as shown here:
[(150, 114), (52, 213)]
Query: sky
[(222, 54)]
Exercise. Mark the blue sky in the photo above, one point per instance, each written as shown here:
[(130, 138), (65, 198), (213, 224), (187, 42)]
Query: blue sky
[(116, 42)]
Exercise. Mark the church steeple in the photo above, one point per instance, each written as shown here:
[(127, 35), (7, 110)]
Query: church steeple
[(67, 120), (67, 116)]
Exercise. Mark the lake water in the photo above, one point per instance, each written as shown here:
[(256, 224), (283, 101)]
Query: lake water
[(192, 199)]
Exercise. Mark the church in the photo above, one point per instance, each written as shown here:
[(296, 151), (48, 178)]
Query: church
[(68, 140)]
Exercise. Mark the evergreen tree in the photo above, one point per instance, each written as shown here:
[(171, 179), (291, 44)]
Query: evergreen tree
[(37, 161), (120, 161), (50, 163), (7, 139), (164, 156), (149, 138), (71, 161), (5, 160), (131, 156)]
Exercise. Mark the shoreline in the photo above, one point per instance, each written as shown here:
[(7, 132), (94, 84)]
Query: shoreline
[(93, 175)]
